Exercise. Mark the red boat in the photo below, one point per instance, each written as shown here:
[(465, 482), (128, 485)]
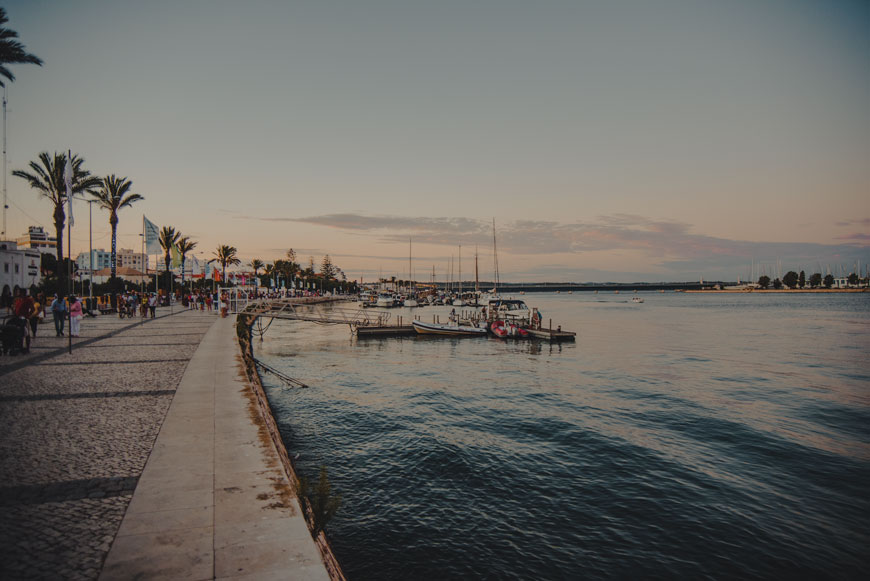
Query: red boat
[(507, 330)]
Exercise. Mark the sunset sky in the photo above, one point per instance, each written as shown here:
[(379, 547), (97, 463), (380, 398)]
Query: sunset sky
[(610, 141)]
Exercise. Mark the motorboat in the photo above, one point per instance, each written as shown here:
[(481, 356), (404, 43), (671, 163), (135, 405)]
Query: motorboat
[(386, 300), (507, 330), (512, 310), (451, 329), (636, 300)]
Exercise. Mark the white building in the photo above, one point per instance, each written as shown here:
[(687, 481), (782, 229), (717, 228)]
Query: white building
[(38, 239), (102, 259), (19, 268)]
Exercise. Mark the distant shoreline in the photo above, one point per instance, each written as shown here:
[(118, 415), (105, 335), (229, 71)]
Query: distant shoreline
[(782, 290)]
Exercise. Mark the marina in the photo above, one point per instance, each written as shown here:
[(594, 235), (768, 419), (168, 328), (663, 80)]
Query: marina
[(366, 321)]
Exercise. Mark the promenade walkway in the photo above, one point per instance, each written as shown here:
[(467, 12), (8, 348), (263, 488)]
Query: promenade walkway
[(140, 456)]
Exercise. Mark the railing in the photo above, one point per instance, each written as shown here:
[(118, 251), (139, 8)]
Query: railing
[(294, 310)]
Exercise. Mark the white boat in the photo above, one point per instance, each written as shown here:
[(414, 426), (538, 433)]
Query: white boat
[(448, 329), (636, 300), (410, 301), (386, 300), (512, 310)]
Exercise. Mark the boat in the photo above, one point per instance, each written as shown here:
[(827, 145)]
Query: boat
[(636, 300), (513, 310), (507, 330), (410, 301), (451, 329), (386, 300)]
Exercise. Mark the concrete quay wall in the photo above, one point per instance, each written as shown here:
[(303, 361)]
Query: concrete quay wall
[(138, 457)]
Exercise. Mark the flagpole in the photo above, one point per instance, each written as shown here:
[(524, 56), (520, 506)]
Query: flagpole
[(69, 245)]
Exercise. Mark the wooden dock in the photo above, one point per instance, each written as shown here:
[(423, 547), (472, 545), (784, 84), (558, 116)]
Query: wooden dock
[(551, 335), (384, 331)]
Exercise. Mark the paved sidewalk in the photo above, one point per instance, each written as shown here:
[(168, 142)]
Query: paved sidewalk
[(213, 501), (77, 431)]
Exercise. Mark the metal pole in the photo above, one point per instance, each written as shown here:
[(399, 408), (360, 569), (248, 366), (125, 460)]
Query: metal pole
[(5, 204), (69, 262), (91, 247)]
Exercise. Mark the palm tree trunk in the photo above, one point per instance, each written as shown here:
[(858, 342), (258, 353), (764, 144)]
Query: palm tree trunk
[(114, 248)]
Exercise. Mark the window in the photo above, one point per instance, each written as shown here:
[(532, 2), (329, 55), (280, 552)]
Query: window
[(16, 269)]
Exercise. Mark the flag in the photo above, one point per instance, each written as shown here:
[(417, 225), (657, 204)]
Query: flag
[(176, 256), (152, 237), (67, 181), (216, 275)]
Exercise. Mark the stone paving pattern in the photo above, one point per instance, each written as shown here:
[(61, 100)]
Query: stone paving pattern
[(76, 433)]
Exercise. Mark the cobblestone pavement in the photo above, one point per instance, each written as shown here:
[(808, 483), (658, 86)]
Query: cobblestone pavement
[(76, 433)]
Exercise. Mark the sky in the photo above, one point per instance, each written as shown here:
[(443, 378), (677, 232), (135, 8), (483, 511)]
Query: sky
[(625, 141)]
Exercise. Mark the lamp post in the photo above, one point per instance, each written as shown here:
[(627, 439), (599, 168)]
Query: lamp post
[(91, 248)]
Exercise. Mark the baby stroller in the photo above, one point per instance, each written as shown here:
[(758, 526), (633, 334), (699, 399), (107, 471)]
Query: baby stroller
[(12, 335)]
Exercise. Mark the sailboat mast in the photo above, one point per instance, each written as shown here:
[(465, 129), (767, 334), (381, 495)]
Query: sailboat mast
[(460, 271), (495, 257), (476, 278)]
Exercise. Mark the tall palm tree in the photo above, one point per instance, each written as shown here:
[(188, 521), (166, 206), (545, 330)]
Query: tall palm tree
[(46, 177), (226, 255), (114, 194), (185, 245), (12, 51), (168, 237), (256, 264)]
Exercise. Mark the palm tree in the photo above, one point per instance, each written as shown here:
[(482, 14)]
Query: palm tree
[(168, 237), (256, 264), (12, 51), (114, 194), (185, 245), (226, 255), (47, 179)]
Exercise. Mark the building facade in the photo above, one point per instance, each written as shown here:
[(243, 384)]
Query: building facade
[(102, 259), (19, 267), (38, 239)]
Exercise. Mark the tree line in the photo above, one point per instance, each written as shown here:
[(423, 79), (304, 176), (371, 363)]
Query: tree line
[(794, 280)]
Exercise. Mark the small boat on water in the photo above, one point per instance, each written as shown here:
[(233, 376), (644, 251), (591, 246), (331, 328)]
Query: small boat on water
[(386, 300), (636, 300), (507, 330), (450, 329)]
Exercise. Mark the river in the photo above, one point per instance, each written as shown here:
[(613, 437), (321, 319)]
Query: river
[(693, 435)]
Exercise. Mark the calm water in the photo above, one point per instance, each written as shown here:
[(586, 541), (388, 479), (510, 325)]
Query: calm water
[(691, 436)]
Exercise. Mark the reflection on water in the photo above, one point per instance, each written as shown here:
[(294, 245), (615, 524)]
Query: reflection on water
[(691, 435)]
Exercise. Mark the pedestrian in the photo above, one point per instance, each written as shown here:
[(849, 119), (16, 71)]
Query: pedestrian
[(6, 300), (75, 315), (22, 308), (152, 304), (38, 314), (58, 311)]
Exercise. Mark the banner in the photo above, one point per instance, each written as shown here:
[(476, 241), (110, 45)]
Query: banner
[(176, 256), (216, 275), (152, 237)]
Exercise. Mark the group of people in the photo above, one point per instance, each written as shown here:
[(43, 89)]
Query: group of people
[(131, 302), (25, 311), (201, 301)]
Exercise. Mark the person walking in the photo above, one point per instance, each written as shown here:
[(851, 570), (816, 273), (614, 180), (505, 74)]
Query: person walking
[(23, 310), (38, 314), (58, 311), (75, 315), (152, 304)]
